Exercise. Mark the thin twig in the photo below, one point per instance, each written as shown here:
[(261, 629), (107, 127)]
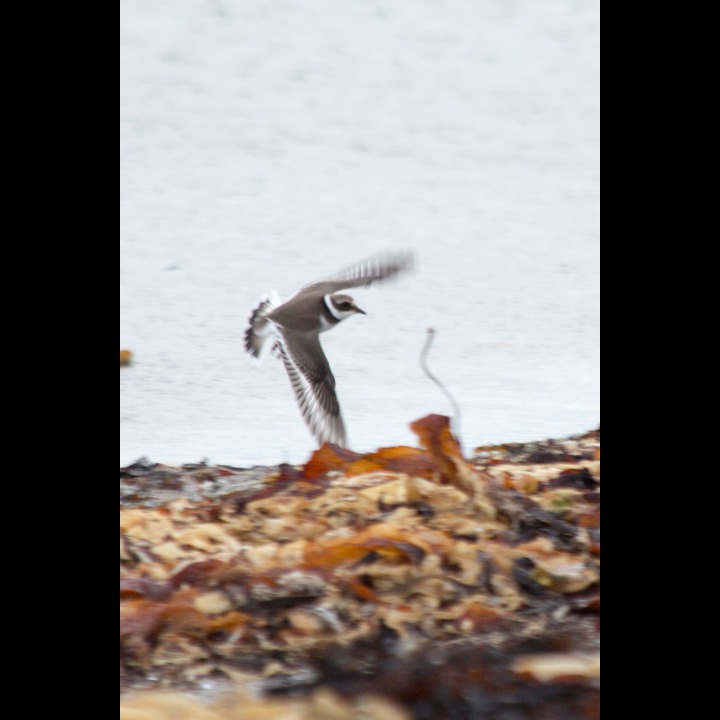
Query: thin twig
[(423, 365)]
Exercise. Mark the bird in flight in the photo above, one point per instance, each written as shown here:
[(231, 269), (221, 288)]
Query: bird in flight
[(292, 331)]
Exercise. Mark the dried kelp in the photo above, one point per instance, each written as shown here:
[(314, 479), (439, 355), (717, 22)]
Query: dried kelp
[(408, 573)]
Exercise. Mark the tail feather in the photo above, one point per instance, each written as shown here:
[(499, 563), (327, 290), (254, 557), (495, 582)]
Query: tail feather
[(260, 330)]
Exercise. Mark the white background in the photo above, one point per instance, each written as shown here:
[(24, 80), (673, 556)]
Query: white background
[(266, 144)]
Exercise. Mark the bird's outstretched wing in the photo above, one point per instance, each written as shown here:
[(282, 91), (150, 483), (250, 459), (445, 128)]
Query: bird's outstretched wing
[(366, 272), (314, 386)]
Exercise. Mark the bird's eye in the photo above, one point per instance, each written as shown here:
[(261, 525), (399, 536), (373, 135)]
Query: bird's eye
[(346, 305)]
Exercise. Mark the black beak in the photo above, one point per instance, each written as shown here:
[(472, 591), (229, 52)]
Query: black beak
[(362, 312)]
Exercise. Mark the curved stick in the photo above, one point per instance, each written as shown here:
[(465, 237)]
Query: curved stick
[(423, 365)]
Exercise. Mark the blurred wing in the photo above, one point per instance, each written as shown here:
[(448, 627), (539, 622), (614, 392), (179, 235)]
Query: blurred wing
[(314, 386), (367, 272)]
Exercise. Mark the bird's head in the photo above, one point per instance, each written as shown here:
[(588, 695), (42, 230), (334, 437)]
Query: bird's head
[(342, 306)]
